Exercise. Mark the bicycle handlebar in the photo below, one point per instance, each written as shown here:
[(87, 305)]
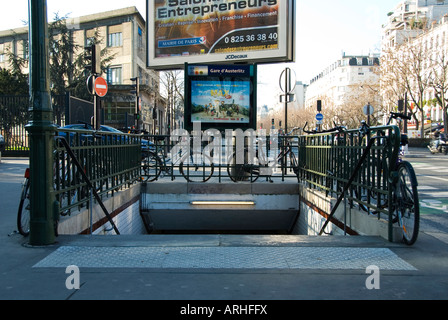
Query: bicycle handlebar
[(336, 128), (292, 130), (396, 115)]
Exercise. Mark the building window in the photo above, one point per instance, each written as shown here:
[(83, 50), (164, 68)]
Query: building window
[(140, 38), (25, 49), (2, 57), (114, 75), (115, 39)]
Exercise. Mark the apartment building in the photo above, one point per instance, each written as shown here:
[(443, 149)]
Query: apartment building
[(343, 79), (123, 32), (409, 18), (419, 24)]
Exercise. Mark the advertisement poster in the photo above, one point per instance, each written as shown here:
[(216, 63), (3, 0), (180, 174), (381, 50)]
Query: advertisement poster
[(227, 30), (220, 101)]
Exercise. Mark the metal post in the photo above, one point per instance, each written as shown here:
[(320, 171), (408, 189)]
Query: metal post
[(41, 129), (405, 129), (287, 90)]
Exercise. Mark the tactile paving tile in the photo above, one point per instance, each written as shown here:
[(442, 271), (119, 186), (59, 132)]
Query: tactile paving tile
[(225, 258)]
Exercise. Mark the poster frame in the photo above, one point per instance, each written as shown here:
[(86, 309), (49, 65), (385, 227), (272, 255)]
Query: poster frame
[(251, 76), (285, 52)]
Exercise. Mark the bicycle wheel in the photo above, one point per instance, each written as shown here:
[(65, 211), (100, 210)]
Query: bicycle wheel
[(67, 184), (407, 203), (151, 167), (23, 215), (196, 167), (294, 163), (242, 172)]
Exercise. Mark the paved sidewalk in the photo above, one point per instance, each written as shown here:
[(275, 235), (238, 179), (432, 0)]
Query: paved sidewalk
[(213, 267)]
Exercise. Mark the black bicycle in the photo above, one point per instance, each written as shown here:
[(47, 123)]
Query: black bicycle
[(194, 166), (251, 163), (405, 201)]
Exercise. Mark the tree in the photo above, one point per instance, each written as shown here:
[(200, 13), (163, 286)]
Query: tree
[(416, 76), (439, 82), (172, 91), (404, 71), (13, 83), (391, 82), (61, 47)]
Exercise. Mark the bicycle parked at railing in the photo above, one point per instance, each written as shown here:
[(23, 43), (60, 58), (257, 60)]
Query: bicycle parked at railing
[(405, 201), (194, 166), (259, 165), (23, 215), (66, 198)]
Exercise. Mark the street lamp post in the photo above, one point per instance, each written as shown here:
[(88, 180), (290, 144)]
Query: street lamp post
[(41, 129)]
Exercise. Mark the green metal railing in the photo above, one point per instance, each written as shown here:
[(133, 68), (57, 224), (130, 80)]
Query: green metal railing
[(352, 163), (169, 167), (110, 161)]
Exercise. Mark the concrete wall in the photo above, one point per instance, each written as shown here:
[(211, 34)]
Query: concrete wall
[(169, 206), (276, 207), (124, 207), (315, 207)]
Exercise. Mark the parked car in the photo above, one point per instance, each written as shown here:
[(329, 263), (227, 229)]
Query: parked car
[(146, 145)]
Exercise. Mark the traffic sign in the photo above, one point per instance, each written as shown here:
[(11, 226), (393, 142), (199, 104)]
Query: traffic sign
[(319, 117), (287, 80), (100, 87), (89, 83), (368, 110)]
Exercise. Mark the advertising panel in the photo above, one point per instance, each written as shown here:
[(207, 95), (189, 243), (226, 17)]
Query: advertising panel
[(220, 96), (219, 31)]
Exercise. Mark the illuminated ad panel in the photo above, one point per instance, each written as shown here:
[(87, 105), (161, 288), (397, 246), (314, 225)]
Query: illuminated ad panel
[(224, 31), (220, 96)]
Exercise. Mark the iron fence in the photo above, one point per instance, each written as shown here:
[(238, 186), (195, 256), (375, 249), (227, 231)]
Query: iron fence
[(220, 159), (14, 117), (328, 162), (110, 161)]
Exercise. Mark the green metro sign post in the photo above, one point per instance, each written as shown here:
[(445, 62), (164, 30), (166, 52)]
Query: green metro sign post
[(41, 129)]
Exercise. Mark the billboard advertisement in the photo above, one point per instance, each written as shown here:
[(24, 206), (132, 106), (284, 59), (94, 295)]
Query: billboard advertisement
[(219, 31), (220, 96)]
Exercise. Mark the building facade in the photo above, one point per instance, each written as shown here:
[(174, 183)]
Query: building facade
[(123, 33), (416, 35), (342, 80), (409, 18)]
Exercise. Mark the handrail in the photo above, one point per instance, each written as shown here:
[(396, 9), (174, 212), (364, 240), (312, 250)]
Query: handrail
[(331, 162), (87, 180), (349, 183)]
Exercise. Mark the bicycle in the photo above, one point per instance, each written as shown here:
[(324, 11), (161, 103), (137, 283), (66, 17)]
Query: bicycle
[(252, 169), (405, 201), (60, 170), (66, 175), (23, 215), (194, 166)]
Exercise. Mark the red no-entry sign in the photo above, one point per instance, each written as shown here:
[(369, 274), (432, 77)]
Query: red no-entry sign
[(100, 87)]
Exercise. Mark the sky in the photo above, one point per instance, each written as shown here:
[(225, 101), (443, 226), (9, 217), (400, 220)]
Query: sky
[(325, 29)]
